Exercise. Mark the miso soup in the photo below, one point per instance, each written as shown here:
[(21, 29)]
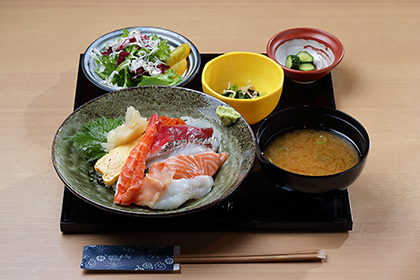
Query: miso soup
[(312, 152)]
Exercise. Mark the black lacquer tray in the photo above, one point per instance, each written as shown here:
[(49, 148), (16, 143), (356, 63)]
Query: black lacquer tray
[(256, 205)]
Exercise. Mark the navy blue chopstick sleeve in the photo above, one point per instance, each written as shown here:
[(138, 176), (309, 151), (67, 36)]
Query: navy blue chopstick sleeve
[(114, 257)]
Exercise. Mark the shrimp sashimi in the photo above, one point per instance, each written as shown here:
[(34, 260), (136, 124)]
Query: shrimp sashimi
[(206, 163), (177, 133), (132, 172)]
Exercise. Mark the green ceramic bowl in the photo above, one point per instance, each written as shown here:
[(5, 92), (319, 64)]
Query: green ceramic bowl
[(238, 139)]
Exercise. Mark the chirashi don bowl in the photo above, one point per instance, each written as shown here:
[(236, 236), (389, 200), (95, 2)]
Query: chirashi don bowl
[(327, 52), (89, 64), (241, 68), (196, 107)]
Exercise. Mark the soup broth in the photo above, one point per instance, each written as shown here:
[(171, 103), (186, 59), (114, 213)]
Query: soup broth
[(312, 152)]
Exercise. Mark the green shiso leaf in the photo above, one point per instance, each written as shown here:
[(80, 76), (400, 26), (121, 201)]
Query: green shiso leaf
[(92, 135)]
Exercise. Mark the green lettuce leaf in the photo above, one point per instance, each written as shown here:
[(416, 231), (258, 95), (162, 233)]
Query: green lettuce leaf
[(163, 52), (125, 33), (170, 78)]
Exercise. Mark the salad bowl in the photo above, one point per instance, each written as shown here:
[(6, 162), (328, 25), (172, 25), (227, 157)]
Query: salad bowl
[(197, 109), (90, 65)]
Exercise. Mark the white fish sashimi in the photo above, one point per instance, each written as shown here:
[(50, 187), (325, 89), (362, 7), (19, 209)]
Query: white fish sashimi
[(186, 148), (179, 191)]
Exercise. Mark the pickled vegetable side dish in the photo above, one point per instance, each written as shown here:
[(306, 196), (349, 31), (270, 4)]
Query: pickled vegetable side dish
[(247, 92), (302, 61)]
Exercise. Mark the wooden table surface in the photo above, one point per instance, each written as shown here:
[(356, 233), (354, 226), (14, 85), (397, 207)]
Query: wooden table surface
[(377, 82)]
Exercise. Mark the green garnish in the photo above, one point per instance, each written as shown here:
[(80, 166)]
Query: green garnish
[(248, 92), (92, 135), (321, 140)]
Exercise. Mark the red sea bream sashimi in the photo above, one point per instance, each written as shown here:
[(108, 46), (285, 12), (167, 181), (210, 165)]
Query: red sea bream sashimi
[(186, 147), (177, 133)]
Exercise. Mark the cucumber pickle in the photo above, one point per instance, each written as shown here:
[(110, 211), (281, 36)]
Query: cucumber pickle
[(302, 61)]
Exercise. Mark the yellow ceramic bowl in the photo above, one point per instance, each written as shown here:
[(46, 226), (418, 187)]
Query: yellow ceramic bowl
[(239, 68)]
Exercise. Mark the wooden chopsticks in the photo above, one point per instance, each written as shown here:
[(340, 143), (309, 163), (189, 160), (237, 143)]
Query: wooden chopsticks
[(310, 255)]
